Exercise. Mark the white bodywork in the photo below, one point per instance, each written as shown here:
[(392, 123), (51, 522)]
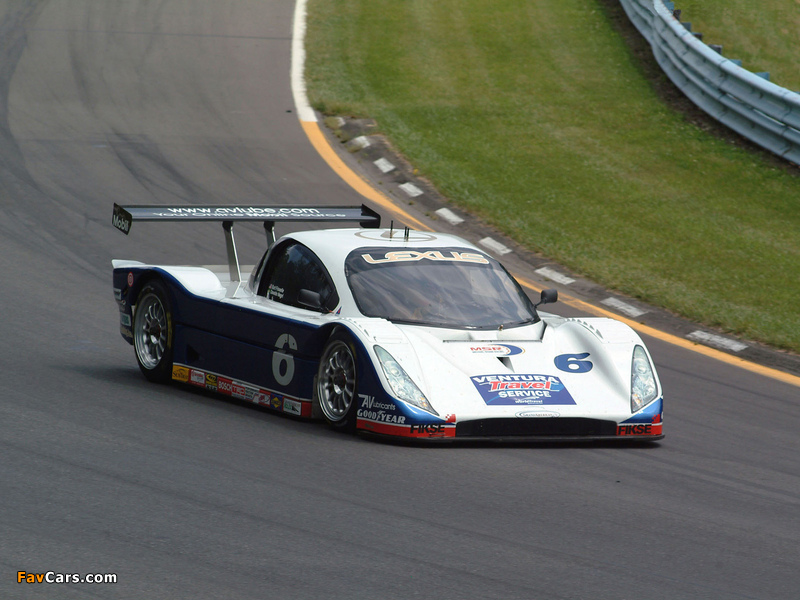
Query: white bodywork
[(442, 361)]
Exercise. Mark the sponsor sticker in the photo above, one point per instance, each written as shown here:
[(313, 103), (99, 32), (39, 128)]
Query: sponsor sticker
[(436, 430), (225, 386), (639, 429), (180, 373), (197, 378), (275, 291), (239, 391), (380, 416), (130, 279), (248, 211), (373, 404), (435, 255), (537, 414), (121, 219), (379, 411), (522, 390), (292, 406), (496, 349), (243, 391), (655, 427)]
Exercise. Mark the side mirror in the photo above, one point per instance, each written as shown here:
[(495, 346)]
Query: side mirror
[(548, 297), (310, 300)]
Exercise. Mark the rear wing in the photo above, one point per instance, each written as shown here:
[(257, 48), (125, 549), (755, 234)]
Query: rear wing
[(124, 216)]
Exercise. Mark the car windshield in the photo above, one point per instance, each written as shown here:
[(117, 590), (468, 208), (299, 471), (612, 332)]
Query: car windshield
[(442, 287)]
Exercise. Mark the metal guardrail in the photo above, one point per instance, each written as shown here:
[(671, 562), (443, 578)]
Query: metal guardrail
[(763, 112)]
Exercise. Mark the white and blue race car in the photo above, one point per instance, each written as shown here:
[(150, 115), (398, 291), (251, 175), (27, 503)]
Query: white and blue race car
[(401, 333)]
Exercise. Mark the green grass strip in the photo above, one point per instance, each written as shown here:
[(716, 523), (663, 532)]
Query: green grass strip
[(764, 34), (537, 117)]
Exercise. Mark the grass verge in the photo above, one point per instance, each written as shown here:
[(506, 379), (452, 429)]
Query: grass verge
[(762, 34), (539, 118)]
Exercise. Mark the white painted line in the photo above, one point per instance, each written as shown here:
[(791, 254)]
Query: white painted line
[(384, 165), (494, 246), (412, 190), (449, 216), (554, 275), (623, 307), (303, 108), (359, 142), (719, 341)]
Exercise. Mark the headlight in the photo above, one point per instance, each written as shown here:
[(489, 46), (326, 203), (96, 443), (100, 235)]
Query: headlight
[(401, 383), (643, 380)]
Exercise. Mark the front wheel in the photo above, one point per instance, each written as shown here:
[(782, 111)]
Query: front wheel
[(152, 332), (337, 382)]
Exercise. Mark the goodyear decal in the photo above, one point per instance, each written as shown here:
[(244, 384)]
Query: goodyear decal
[(522, 390), (378, 411)]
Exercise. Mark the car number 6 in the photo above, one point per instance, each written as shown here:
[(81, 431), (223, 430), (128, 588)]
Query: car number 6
[(574, 363), (283, 375)]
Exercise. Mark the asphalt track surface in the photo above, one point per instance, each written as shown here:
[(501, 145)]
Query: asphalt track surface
[(183, 495)]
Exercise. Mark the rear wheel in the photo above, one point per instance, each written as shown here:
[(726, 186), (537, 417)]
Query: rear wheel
[(152, 332), (337, 382)]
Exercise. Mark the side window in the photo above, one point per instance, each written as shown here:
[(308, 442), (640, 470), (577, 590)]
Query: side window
[(292, 268)]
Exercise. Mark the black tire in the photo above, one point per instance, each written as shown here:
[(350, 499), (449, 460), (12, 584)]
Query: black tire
[(336, 386), (153, 332)]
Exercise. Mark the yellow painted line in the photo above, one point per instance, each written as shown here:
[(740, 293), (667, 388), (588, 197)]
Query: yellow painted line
[(325, 150), (319, 142), (672, 339)]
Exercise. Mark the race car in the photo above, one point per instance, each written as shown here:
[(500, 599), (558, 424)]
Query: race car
[(385, 331)]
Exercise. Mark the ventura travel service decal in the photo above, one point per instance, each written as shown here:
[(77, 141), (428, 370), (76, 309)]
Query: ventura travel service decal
[(516, 390)]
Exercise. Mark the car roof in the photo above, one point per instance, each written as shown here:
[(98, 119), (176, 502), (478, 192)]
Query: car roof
[(333, 245)]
